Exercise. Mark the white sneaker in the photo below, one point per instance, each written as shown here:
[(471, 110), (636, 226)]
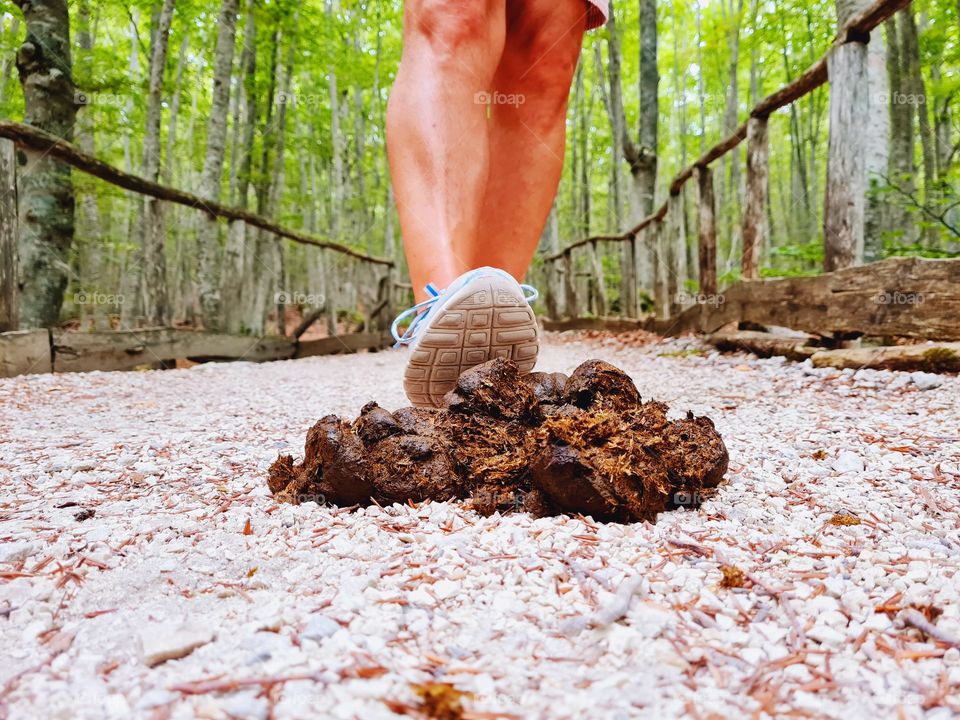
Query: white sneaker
[(483, 314)]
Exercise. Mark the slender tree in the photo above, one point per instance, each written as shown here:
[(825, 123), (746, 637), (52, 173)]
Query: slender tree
[(44, 186), (208, 231), (155, 310), (846, 175)]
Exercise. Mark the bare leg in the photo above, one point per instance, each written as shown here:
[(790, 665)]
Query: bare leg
[(528, 132), (437, 133)]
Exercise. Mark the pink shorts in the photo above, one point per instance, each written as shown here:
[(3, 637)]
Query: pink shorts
[(597, 13)]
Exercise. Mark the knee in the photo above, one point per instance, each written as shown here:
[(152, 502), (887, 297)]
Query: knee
[(451, 27)]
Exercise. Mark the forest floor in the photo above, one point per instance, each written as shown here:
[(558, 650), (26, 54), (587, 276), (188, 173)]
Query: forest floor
[(135, 524)]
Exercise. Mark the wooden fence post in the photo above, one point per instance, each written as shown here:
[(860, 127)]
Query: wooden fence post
[(706, 231), (642, 255), (389, 311), (599, 282), (844, 201), (569, 285), (755, 207), (628, 277), (330, 292), (231, 284), (663, 270), (550, 279), (674, 244), (9, 287)]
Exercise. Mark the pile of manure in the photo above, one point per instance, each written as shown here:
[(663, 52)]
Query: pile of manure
[(543, 443)]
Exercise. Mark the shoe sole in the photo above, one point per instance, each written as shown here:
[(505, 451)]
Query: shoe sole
[(487, 318)]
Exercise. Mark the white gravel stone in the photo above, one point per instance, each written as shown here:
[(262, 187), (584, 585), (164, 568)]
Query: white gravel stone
[(925, 380), (319, 627), (17, 551), (166, 641), (848, 461)]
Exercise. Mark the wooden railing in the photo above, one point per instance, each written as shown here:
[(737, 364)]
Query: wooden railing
[(573, 277), (364, 286)]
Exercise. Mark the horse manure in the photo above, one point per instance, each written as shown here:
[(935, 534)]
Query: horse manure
[(543, 443)]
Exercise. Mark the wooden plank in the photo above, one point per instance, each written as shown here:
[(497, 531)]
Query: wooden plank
[(755, 206), (714, 153), (127, 349), (707, 231), (9, 288), (899, 297), (808, 81), (24, 352), (48, 144), (351, 343), (871, 17), (940, 357)]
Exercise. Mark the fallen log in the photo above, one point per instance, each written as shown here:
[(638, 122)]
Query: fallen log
[(127, 349), (24, 352), (337, 344), (899, 297), (938, 358), (792, 347)]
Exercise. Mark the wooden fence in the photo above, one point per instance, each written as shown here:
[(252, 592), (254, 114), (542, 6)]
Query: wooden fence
[(369, 297), (575, 285)]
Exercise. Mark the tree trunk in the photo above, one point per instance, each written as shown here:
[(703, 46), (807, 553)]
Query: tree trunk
[(9, 290), (641, 160), (260, 269), (645, 165), (167, 171), (6, 67), (130, 275), (45, 190), (941, 124), (916, 100), (208, 229), (877, 135), (336, 141), (898, 221), (239, 254), (844, 201), (94, 261), (154, 269), (276, 192), (843, 214), (728, 185)]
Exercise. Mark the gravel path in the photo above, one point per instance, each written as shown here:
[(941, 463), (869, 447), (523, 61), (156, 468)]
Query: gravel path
[(135, 525)]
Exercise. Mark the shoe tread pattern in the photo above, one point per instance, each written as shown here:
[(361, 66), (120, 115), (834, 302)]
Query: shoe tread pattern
[(490, 322)]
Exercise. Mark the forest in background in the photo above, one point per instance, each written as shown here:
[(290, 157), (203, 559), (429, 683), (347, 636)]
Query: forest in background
[(295, 95)]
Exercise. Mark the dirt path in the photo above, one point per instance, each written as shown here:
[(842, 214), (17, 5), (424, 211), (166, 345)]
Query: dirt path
[(135, 523)]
